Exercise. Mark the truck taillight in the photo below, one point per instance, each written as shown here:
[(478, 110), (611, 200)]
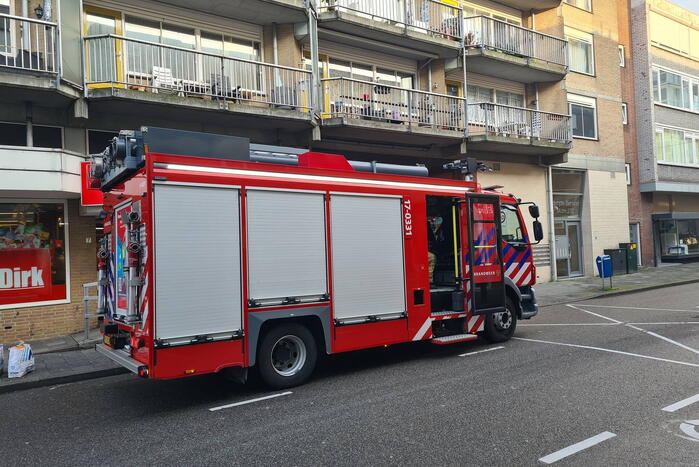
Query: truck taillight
[(136, 342), (143, 371)]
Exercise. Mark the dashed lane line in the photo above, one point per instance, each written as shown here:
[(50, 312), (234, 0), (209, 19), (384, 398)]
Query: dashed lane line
[(249, 401), (681, 404), (577, 447), (480, 351), (616, 321), (600, 349), (634, 308), (666, 339)]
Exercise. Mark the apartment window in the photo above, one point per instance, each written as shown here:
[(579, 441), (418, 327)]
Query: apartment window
[(6, 33), (622, 56), (470, 11), (345, 69), (676, 90), (98, 140), (509, 98), (583, 4), (676, 146), (581, 51), (624, 113), (15, 134), (583, 111)]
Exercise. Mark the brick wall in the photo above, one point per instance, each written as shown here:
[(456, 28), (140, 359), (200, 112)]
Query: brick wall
[(56, 320)]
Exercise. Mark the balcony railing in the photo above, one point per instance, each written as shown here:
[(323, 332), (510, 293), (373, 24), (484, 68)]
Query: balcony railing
[(118, 61), (486, 118), (27, 44), (345, 97), (482, 31), (429, 16)]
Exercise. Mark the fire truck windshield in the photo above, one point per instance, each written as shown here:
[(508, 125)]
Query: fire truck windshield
[(511, 228)]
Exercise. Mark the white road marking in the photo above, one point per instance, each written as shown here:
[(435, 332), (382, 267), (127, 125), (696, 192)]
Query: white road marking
[(689, 428), (666, 339), (681, 404), (671, 322), (250, 401), (695, 365), (594, 314), (480, 351), (577, 447), (570, 324), (635, 308)]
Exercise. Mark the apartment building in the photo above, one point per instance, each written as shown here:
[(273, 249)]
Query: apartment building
[(406, 81), (664, 190)]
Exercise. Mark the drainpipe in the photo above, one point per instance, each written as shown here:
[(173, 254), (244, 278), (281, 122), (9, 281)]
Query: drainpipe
[(315, 70), (465, 86), (30, 124), (25, 26), (552, 236), (275, 50)]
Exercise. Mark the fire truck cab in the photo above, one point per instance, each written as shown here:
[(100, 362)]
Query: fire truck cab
[(219, 255)]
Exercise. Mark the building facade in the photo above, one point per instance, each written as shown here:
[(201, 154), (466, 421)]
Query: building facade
[(665, 173), (530, 87)]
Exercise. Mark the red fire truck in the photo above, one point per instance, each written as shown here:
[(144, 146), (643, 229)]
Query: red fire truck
[(219, 255)]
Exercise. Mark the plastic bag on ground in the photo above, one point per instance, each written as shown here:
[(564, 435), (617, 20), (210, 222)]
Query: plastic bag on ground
[(21, 361)]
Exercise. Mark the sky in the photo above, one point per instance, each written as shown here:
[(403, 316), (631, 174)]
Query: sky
[(691, 5)]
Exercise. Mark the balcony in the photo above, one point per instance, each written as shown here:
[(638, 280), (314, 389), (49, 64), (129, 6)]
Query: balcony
[(384, 114), (29, 61), (413, 28), (527, 5), (131, 71), (252, 11), (504, 50), (496, 128), (39, 172)]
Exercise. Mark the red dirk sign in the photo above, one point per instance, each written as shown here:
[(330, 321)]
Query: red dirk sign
[(25, 275)]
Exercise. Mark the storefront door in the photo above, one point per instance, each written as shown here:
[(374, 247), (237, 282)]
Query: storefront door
[(568, 248)]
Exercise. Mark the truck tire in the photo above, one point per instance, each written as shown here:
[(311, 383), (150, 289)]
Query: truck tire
[(287, 355), (499, 327)]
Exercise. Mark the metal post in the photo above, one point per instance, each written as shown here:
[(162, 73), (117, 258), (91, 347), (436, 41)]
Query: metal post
[(315, 69)]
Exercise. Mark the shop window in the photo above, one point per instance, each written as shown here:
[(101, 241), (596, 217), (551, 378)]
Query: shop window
[(679, 237), (32, 253)]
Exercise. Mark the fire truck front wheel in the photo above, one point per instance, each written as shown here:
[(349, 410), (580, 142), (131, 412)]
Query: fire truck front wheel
[(499, 327), (287, 355)]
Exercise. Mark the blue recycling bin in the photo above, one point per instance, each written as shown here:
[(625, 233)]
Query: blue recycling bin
[(604, 266)]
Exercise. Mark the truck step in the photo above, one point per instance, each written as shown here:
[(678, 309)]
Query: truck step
[(439, 315), (453, 339)]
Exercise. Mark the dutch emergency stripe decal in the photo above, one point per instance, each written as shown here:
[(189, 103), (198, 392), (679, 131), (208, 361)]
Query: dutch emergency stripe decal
[(110, 283), (425, 330), (518, 265), (143, 296)]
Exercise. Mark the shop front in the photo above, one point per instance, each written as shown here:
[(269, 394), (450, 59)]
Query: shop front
[(677, 236)]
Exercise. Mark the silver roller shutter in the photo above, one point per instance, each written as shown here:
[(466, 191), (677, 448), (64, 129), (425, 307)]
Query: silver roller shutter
[(367, 256), (197, 262), (286, 245)]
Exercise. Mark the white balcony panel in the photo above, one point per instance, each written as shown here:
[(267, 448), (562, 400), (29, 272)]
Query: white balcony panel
[(26, 170)]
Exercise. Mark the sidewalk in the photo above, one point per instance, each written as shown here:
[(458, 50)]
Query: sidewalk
[(73, 358), (573, 290)]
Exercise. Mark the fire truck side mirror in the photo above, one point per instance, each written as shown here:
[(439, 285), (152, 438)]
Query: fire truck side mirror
[(534, 211), (538, 231)]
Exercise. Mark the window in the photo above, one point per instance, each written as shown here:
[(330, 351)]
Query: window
[(509, 98), (584, 116), (362, 72), (6, 29), (676, 90), (32, 253), (669, 33), (676, 146), (627, 171), (624, 113), (622, 56), (470, 11), (581, 51), (98, 140), (15, 134), (583, 4), (511, 228)]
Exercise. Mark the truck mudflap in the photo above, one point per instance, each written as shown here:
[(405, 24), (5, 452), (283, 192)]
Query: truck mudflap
[(122, 357)]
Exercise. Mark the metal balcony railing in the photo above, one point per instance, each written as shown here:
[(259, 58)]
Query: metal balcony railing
[(345, 97), (482, 31), (486, 118), (429, 16), (117, 61), (28, 44)]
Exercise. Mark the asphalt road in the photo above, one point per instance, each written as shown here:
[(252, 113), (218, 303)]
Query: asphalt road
[(602, 372)]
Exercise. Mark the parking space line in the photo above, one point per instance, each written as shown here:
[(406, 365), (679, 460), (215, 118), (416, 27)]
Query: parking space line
[(635, 308), (620, 352), (481, 351), (666, 339), (593, 314), (681, 404), (568, 324), (670, 322), (577, 447), (249, 401)]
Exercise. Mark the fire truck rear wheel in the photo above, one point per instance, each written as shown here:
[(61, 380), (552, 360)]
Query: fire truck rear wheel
[(287, 355), (499, 327)]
